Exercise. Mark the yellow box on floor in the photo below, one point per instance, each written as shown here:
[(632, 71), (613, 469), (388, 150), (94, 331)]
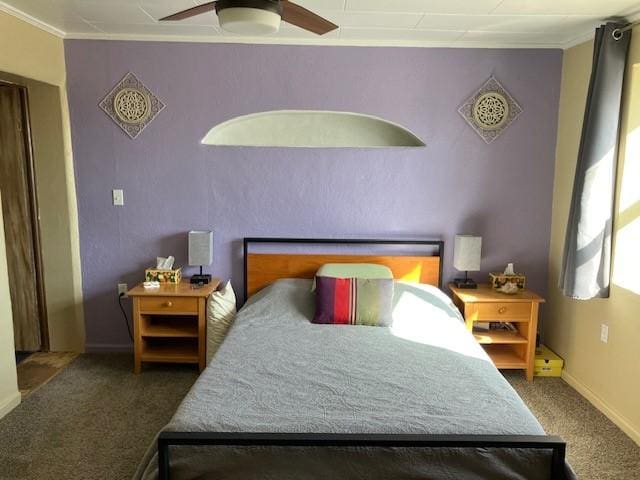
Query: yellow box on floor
[(547, 363)]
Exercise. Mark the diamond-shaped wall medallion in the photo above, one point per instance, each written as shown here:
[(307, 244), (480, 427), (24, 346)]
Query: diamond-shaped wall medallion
[(490, 110), (131, 105)]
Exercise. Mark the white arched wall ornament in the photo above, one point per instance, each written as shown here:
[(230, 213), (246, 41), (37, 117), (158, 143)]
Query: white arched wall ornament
[(490, 110), (311, 129)]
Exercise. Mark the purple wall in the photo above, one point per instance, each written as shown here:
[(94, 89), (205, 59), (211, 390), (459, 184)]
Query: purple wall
[(172, 183)]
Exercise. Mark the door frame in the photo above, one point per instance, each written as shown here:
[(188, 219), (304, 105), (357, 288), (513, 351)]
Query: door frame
[(34, 215)]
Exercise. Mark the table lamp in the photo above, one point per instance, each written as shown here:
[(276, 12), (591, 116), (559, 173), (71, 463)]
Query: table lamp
[(200, 253), (466, 258)]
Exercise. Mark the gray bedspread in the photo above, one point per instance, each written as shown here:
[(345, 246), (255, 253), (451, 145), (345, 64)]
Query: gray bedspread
[(278, 372)]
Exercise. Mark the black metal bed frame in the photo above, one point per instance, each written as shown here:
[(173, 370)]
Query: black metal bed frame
[(535, 442)]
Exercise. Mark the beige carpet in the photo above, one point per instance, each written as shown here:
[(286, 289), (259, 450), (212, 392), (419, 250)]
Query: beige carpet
[(96, 418), (596, 448), (92, 421)]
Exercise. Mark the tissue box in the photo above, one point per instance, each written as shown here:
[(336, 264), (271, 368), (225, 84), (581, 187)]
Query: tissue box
[(163, 276), (499, 279)]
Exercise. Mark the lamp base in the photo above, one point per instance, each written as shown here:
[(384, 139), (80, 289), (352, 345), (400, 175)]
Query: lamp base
[(464, 283), (202, 279)]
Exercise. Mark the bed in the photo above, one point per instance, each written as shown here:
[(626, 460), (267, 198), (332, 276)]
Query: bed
[(284, 398)]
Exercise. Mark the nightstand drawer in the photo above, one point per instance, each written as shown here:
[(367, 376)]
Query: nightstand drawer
[(509, 312), (169, 305)]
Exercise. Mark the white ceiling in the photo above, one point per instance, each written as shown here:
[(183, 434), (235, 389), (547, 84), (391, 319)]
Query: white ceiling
[(449, 23)]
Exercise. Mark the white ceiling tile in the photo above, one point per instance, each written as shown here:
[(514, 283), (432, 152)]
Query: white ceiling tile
[(158, 29), (403, 6), (566, 7), (514, 38), (163, 8), (501, 22), (399, 34), (291, 31), (47, 11), (424, 6), (112, 11), (316, 5), (32, 7), (373, 19), (160, 9), (170, 6), (497, 23)]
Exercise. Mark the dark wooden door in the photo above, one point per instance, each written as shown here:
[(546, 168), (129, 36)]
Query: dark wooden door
[(20, 219)]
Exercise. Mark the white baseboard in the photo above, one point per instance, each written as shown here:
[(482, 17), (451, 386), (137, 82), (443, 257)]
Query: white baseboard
[(109, 348), (9, 403), (597, 402)]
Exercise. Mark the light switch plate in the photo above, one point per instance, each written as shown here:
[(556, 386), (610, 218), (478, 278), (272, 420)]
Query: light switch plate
[(118, 198)]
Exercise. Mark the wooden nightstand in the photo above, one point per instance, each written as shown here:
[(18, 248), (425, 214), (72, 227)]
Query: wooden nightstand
[(169, 323), (514, 350)]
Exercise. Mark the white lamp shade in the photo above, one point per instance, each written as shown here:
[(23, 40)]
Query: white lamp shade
[(467, 253), (249, 21), (200, 248)]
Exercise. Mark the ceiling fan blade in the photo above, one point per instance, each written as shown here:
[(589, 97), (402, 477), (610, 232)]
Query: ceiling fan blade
[(191, 12), (303, 18)]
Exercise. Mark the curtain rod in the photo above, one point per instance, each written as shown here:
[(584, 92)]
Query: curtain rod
[(617, 33)]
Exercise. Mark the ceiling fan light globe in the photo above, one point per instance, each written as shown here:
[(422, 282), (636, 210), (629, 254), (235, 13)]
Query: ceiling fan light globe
[(249, 21)]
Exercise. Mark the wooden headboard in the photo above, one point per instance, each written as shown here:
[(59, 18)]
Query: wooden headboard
[(262, 269)]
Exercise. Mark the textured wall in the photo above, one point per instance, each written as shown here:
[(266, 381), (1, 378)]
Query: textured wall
[(173, 183), (606, 373), (30, 52)]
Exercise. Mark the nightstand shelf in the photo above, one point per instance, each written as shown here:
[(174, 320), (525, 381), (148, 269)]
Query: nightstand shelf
[(157, 326), (493, 337), (507, 349), (505, 357), (169, 323), (170, 352)]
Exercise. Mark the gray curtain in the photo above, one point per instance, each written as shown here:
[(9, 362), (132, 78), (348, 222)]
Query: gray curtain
[(586, 263)]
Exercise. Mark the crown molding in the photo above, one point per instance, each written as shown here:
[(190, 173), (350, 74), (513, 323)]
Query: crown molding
[(580, 39), (302, 41), (31, 20)]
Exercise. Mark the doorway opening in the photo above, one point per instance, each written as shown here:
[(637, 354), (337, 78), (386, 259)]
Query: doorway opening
[(21, 222)]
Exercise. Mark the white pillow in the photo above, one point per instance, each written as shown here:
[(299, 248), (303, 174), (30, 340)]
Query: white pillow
[(352, 270), (221, 312)]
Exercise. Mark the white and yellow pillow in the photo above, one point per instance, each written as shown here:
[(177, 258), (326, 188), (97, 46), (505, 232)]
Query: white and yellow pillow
[(221, 312)]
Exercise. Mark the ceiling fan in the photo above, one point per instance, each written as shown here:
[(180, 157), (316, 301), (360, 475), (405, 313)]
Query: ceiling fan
[(258, 17)]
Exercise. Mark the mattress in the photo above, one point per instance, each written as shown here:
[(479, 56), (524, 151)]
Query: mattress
[(278, 372)]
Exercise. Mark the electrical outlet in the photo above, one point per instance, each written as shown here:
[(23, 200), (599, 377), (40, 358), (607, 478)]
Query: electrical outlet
[(118, 197), (604, 333), (122, 288)]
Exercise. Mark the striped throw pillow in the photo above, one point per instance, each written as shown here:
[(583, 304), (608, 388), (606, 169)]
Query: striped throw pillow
[(354, 301)]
